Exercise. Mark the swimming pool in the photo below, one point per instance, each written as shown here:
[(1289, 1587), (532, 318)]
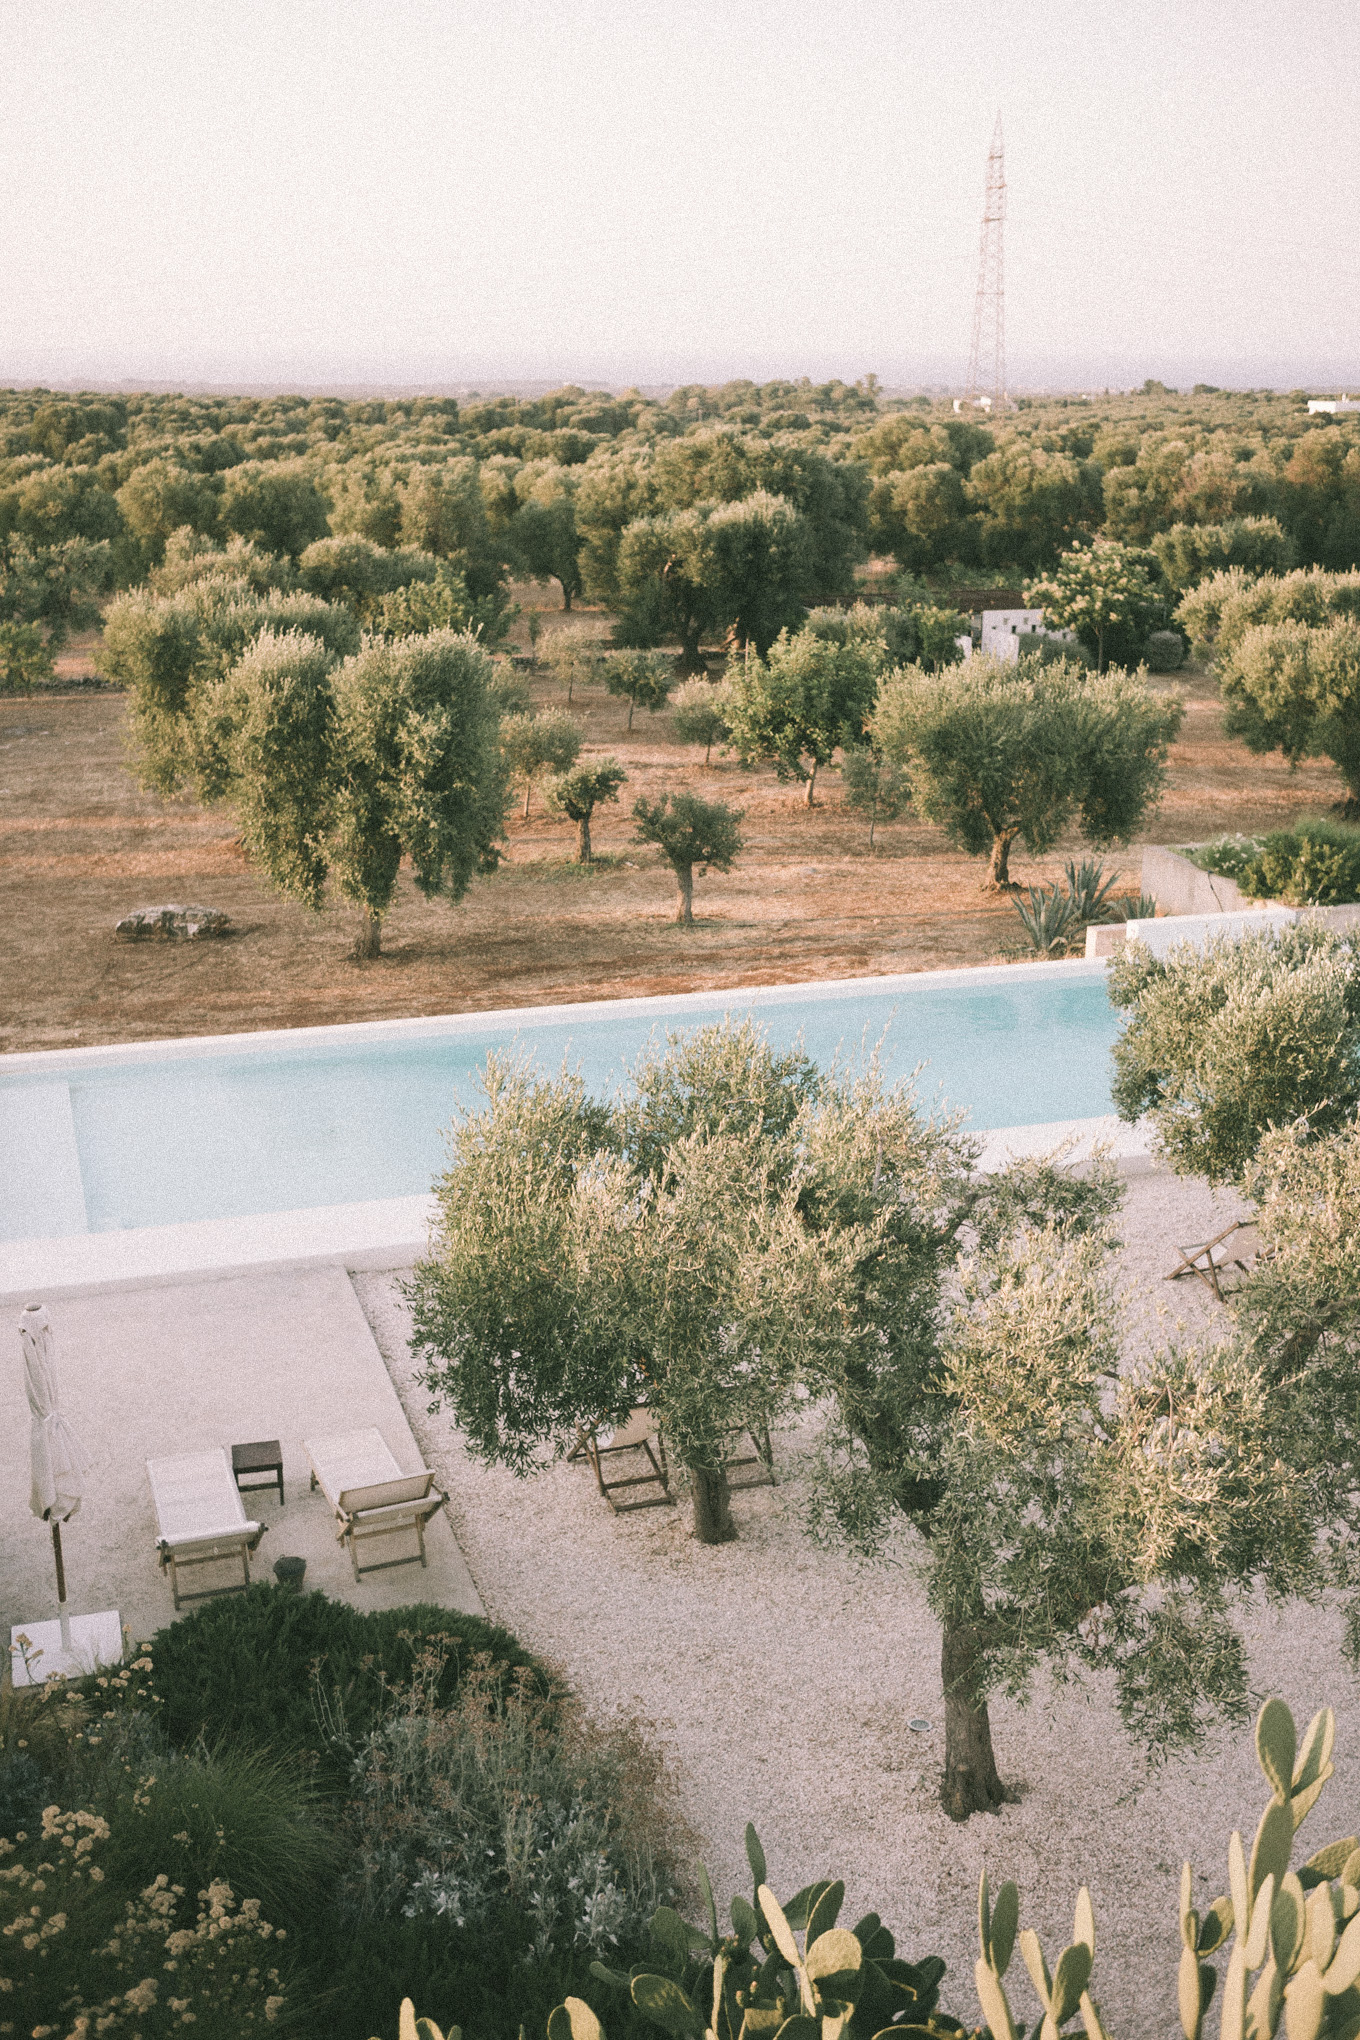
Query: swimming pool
[(163, 1133)]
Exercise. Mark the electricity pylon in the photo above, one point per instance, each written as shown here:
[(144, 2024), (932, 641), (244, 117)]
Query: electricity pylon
[(987, 360)]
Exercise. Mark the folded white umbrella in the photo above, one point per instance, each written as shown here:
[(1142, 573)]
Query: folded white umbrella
[(58, 1459)]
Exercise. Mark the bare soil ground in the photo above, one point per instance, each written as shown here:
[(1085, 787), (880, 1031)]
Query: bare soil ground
[(81, 845)]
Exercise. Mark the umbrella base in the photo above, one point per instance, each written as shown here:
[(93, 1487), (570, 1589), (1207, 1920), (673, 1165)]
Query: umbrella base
[(96, 1640)]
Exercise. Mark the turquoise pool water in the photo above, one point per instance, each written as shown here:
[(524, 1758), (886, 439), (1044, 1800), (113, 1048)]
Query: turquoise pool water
[(224, 1131)]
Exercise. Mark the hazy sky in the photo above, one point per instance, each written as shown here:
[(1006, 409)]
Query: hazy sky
[(417, 190)]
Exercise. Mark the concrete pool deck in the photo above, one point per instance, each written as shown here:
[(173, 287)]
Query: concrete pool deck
[(168, 1368)]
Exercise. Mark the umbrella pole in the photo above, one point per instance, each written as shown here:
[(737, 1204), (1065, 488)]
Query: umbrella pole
[(61, 1588)]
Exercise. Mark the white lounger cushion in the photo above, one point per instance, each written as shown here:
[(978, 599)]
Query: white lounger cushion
[(197, 1499), (355, 1470)]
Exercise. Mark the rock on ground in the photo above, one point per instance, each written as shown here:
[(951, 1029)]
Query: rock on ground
[(173, 924)]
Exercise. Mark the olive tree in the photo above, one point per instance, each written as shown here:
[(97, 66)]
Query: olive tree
[(536, 743), (578, 793), (419, 772), (1225, 1043), (796, 708), (572, 656), (689, 832), (1286, 650), (336, 772), (586, 1256), (166, 650), (996, 752), (1065, 1512)]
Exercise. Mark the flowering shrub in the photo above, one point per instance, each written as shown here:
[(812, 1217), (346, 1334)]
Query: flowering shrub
[(79, 1961)]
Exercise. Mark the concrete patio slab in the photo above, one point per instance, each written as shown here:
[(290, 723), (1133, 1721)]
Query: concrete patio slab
[(171, 1368)]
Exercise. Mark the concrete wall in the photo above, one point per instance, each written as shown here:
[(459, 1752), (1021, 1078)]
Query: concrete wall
[(1180, 887)]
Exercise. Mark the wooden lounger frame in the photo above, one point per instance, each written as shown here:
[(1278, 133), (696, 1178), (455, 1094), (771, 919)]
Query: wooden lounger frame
[(757, 1465), (588, 1447), (216, 1551)]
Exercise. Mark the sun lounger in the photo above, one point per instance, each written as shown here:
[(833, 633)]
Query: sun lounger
[(370, 1494), (200, 1518), (1212, 1258)]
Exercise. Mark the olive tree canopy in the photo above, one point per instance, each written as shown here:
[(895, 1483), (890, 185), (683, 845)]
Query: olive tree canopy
[(996, 751)]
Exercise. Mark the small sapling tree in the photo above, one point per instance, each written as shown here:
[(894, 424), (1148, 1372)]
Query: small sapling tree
[(578, 793), (794, 709), (700, 714), (644, 679), (536, 744), (689, 832), (875, 786), (573, 657), (995, 752)]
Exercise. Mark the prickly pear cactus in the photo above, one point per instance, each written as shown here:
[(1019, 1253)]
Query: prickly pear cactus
[(1295, 1935), (758, 1980)]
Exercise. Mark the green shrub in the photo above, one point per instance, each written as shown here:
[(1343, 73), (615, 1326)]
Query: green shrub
[(1314, 864), (241, 1668), (1164, 652)]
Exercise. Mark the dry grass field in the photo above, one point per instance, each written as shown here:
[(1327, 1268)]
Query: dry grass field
[(81, 845)]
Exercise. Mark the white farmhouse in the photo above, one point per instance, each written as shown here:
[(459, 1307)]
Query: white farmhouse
[(1333, 404), (1002, 630)]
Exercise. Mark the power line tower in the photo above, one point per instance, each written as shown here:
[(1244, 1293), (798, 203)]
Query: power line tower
[(987, 360)]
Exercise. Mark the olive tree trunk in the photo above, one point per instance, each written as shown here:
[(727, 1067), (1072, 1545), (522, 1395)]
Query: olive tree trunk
[(971, 1783), (528, 789), (368, 941), (684, 879), (999, 870), (583, 850), (812, 781), (712, 1499)]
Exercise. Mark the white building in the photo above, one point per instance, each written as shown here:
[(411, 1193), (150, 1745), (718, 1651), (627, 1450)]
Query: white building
[(1002, 630), (1333, 404)]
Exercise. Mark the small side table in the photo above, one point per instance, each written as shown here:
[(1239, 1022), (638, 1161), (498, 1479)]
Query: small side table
[(266, 1457)]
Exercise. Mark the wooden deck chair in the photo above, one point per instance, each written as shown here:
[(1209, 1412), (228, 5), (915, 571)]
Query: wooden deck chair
[(757, 1466), (200, 1519), (1210, 1260), (640, 1437), (371, 1496)]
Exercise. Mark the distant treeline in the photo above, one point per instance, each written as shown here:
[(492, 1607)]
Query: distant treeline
[(637, 503)]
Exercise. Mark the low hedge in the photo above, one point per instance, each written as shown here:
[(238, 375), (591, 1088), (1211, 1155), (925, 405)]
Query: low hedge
[(240, 1669), (1314, 864)]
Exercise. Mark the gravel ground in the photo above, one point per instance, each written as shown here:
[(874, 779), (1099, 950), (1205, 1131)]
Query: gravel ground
[(780, 1681)]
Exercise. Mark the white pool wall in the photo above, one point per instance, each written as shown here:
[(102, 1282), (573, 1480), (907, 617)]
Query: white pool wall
[(61, 1062), (35, 1120)]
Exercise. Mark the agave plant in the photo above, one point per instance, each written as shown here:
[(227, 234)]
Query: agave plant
[(1133, 907), (1089, 889), (1048, 916)]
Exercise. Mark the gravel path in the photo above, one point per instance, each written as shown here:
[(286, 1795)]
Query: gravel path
[(780, 1680)]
